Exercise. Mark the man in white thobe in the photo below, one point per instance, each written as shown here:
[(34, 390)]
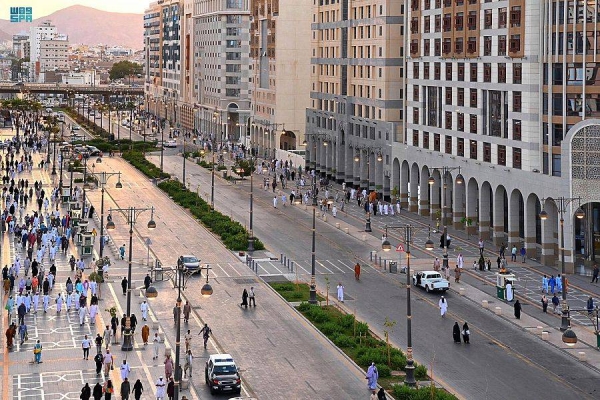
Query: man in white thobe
[(340, 292)]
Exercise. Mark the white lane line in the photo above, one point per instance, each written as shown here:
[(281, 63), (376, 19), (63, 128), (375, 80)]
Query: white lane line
[(335, 266), (221, 268), (322, 265), (301, 267)]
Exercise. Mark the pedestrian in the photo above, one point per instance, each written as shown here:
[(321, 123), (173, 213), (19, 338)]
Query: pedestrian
[(188, 364), (144, 310), (114, 323), (552, 283), (125, 370), (160, 388), (106, 336), (188, 340), (171, 389), (156, 341), (456, 333), (99, 360), (122, 251), (37, 352), (85, 345), (544, 303), (373, 395), (124, 286), (595, 274), (274, 200), (145, 334), (244, 299), (97, 393), (372, 377), (517, 307), (481, 246), (187, 310), (125, 389), (510, 294), (86, 392), (169, 367), (340, 288), (147, 281), (523, 253), (357, 271), (108, 389), (108, 362), (590, 305), (466, 333), (251, 297), (205, 332), (175, 313), (23, 333), (545, 284), (457, 273), (381, 394), (137, 390), (555, 303), (513, 253), (443, 304)]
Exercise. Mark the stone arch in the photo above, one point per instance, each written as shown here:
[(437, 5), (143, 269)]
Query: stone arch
[(500, 215), (486, 210), (516, 217), (550, 233), (403, 185), (287, 140), (471, 206), (435, 195), (413, 187), (459, 202), (424, 206), (533, 227), (396, 181)]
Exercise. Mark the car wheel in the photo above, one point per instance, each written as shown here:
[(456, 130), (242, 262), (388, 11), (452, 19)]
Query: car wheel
[(212, 391), (427, 289), (206, 376)]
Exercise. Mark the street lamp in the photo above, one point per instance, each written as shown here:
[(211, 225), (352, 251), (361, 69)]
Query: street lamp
[(561, 204), (131, 214), (313, 261), (410, 368), (569, 337), (251, 232), (459, 180), (102, 178)]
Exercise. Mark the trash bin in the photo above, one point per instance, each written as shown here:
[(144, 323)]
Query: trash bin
[(501, 292), (224, 173), (158, 273), (393, 267)]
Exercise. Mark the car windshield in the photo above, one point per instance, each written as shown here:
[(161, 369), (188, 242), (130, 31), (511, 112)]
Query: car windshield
[(225, 369), (190, 260)]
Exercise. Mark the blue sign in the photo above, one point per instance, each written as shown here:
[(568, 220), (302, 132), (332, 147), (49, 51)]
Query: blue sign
[(21, 14)]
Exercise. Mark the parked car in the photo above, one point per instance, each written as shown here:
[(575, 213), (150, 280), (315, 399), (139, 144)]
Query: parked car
[(94, 151), (171, 143), (75, 128), (221, 374), (192, 263), (431, 281)]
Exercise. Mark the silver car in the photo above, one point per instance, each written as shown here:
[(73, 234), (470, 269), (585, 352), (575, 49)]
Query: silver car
[(191, 263)]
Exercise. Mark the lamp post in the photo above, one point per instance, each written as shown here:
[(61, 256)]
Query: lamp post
[(102, 178), (131, 214), (184, 156), (459, 180), (312, 299), (386, 246), (357, 159), (561, 204), (569, 337), (251, 232)]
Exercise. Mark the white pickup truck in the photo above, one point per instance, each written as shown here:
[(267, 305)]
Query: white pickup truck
[(431, 281)]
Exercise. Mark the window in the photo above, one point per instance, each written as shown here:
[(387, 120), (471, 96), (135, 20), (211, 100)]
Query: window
[(487, 19), (414, 5), (487, 45), (416, 93), (436, 142), (448, 145), (426, 70), (447, 46), (461, 97), (448, 120), (473, 149), (425, 140), (473, 98), (487, 152), (487, 72), (448, 96), (436, 71), (515, 17), (438, 23), (502, 45), (414, 25), (517, 101), (516, 158), (473, 123), (449, 71), (472, 45), (414, 47), (437, 47), (458, 21), (501, 73), (461, 71), (501, 154), (426, 24), (502, 18), (427, 4), (415, 115), (516, 129), (415, 138), (416, 70), (447, 23), (426, 47), (460, 147), (460, 122), (556, 165), (515, 43), (458, 46), (472, 20), (517, 68), (473, 72)]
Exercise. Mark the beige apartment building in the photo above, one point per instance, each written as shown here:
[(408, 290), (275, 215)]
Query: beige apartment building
[(357, 89), (280, 52)]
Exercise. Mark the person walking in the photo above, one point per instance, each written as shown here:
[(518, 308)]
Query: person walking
[(125, 389), (251, 297), (545, 282), (37, 352), (187, 338), (122, 251), (466, 333), (590, 305), (171, 389), (156, 344), (106, 336), (456, 333), (544, 303), (595, 274), (86, 343), (98, 360), (372, 377), (457, 273), (443, 304), (125, 370), (340, 292), (108, 389), (357, 271), (517, 308), (97, 392), (137, 390), (513, 253), (555, 303), (108, 362), (523, 253), (188, 364), (86, 392), (160, 388), (124, 286), (144, 310), (244, 299), (99, 340), (187, 310), (481, 245), (169, 367), (145, 334), (205, 332)]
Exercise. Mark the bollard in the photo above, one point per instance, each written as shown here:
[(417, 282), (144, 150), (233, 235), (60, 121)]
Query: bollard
[(347, 230), (324, 218), (337, 225), (544, 335), (281, 258), (256, 270), (461, 291), (581, 356), (292, 267), (284, 260), (288, 263), (385, 265), (540, 329), (379, 262), (253, 265), (498, 311), (485, 303), (375, 259)]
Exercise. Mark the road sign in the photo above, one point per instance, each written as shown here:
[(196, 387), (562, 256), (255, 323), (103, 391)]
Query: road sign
[(400, 248)]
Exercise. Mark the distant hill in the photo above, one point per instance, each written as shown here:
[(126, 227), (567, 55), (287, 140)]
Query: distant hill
[(88, 26)]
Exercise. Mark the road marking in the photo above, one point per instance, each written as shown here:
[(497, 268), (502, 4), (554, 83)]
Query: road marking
[(221, 268), (322, 265), (342, 271)]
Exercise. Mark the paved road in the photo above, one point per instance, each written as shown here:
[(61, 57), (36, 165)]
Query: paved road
[(502, 362)]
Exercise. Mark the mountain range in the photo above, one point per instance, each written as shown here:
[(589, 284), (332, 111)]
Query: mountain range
[(86, 25)]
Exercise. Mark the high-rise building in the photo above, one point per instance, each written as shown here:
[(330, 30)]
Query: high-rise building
[(21, 46), (504, 93), (357, 89), (53, 56), (153, 60), (280, 51), (221, 67), (44, 31)]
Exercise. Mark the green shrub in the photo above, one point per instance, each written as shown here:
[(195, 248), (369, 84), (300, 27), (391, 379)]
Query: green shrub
[(347, 321), (138, 160), (420, 372), (317, 315), (343, 341), (362, 328), (403, 392), (329, 328), (305, 307), (370, 355), (384, 371)]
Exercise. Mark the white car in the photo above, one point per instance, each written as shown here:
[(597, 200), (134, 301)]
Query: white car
[(221, 374), (171, 143), (431, 281)]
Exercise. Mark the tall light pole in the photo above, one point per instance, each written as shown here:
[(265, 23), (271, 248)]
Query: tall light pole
[(184, 156), (102, 178), (561, 204), (131, 214), (386, 246), (312, 299), (459, 180), (251, 232)]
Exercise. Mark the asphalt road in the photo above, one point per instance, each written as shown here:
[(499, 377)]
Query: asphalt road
[(502, 360)]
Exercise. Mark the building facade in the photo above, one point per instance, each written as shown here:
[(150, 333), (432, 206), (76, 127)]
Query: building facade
[(21, 46), (222, 67), (280, 51), (53, 56), (356, 109), (503, 93)]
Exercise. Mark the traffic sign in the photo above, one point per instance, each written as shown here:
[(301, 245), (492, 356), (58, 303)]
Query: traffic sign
[(400, 248)]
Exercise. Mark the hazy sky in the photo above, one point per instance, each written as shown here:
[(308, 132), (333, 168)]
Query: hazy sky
[(44, 7)]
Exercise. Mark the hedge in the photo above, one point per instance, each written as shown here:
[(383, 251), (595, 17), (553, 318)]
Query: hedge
[(232, 233), (138, 160)]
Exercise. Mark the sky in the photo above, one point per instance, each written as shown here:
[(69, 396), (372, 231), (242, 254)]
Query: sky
[(42, 8)]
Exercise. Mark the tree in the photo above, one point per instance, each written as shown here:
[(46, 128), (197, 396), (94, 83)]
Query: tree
[(243, 168), (124, 68)]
